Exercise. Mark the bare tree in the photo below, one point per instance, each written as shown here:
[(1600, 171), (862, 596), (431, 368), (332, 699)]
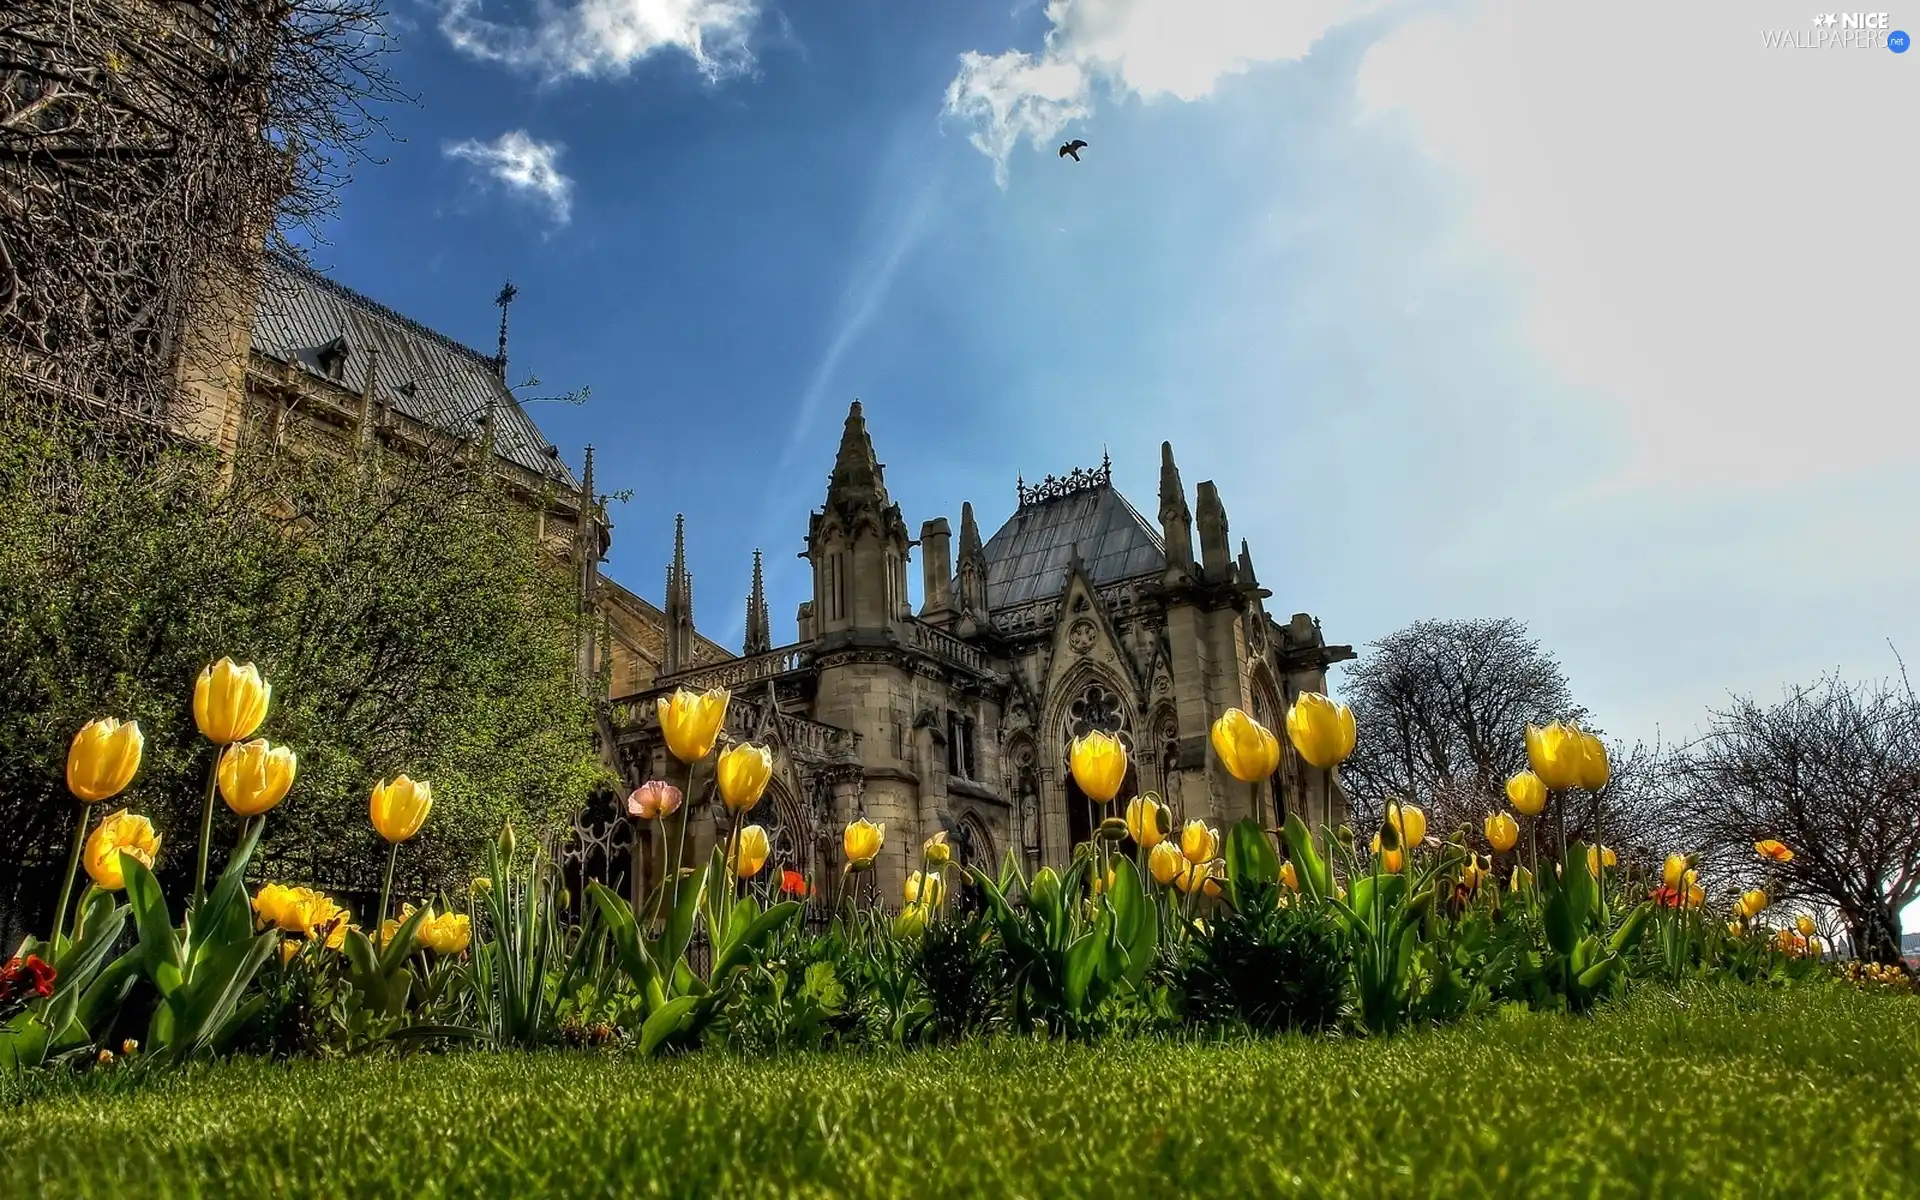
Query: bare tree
[(1442, 708), (149, 150), (1833, 771)]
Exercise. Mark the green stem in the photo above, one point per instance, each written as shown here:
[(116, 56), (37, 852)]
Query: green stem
[(73, 869), (206, 830), (386, 888)]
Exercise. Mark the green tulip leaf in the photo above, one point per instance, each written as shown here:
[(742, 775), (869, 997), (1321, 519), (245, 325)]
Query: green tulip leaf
[(159, 945), (665, 1022), (1251, 860), (1314, 872), (751, 937)]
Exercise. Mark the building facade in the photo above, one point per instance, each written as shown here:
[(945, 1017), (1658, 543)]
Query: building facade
[(1077, 614)]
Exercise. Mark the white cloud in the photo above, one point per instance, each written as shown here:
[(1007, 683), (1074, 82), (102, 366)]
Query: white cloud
[(607, 37), (1151, 48), (524, 166), (1712, 238)]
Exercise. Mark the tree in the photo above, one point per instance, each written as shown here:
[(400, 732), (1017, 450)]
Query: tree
[(407, 617), (1832, 771), (147, 150), (1442, 708)]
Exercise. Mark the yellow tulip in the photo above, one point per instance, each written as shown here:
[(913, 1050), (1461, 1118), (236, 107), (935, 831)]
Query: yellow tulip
[(1527, 793), (1753, 903), (1736, 929), (102, 759), (1520, 880), (276, 904), (1696, 895), (399, 808), (926, 889), (1190, 877), (690, 721), (751, 851), (288, 948), (1099, 765), (935, 851), (742, 774), (1321, 730), (1198, 843), (1289, 878), (1771, 849), (1594, 768), (1164, 863), (230, 701), (1805, 925), (1473, 872), (1601, 857), (1148, 820), (1409, 821), (911, 923), (1814, 946), (862, 841), (1390, 860), (1674, 870), (1502, 832), (321, 917), (1247, 748), (1558, 754), (1210, 883), (448, 933), (122, 832), (255, 776)]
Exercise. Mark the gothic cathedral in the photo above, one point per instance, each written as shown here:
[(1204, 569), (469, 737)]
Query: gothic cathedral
[(1077, 614)]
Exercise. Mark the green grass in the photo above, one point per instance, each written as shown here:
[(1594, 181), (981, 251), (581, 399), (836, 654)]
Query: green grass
[(1808, 1092)]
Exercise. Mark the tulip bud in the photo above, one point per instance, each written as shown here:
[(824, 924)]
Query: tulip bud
[(1113, 829), (1289, 878), (129, 1048), (103, 758), (1246, 748), (1164, 863), (1321, 731), (742, 774), (1043, 891), (506, 842), (862, 840), (911, 923), (1344, 833), (936, 851), (1673, 870), (1805, 925), (1098, 762), (230, 701), (1148, 820), (1527, 793), (1502, 832)]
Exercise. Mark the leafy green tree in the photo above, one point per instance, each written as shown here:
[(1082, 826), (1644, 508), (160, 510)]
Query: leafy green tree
[(407, 617)]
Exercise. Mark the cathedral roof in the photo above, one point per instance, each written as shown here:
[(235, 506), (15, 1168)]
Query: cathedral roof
[(301, 315), (1028, 558)]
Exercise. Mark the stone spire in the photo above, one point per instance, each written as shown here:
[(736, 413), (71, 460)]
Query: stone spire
[(759, 627), (679, 603), (972, 574), (1246, 566), (858, 478), (505, 298), (936, 566), (1216, 555), (1176, 520)]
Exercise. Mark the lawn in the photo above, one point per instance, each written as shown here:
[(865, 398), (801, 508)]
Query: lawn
[(1808, 1092)]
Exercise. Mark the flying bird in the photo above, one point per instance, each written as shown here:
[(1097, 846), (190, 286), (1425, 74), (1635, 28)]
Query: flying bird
[(1072, 149)]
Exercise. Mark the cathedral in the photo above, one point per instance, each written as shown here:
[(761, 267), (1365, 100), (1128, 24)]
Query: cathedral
[(1077, 614)]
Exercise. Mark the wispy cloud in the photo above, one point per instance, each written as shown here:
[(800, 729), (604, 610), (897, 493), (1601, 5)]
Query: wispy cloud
[(523, 166), (1149, 48), (608, 37)]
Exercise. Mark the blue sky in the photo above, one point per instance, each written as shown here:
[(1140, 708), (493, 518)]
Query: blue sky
[(1597, 316)]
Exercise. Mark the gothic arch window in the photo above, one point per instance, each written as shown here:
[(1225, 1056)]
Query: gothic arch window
[(1164, 746)]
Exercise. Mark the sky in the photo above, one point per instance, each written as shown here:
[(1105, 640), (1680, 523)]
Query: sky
[(1600, 316)]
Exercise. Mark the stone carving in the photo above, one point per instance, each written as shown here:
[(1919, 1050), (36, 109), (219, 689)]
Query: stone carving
[(1080, 636)]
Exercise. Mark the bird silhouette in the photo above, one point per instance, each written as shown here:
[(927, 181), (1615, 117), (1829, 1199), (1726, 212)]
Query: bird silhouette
[(1072, 149)]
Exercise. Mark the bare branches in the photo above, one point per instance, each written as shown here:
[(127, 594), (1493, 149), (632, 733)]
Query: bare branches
[(148, 150), (1832, 770), (1442, 708)]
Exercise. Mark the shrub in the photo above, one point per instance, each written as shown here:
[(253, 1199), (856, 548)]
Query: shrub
[(1267, 967)]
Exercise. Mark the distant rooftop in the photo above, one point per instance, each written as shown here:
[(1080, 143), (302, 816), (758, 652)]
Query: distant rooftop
[(302, 315), (1028, 558)]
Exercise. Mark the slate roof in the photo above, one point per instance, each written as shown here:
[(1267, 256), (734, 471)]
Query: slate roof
[(1027, 559), (422, 374)]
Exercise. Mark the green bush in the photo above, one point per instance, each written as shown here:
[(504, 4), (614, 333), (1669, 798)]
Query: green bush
[(406, 617), (1266, 967)]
